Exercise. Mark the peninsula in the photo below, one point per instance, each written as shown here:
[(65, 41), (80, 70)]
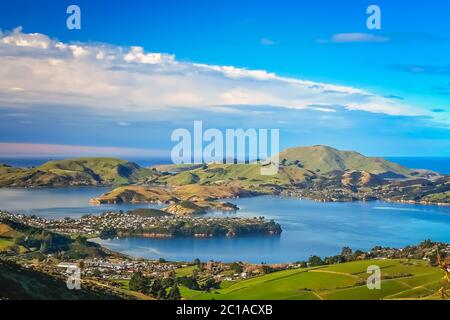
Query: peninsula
[(318, 172), (154, 225)]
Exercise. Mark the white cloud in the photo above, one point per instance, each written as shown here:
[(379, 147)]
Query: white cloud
[(37, 149), (356, 37), (137, 55), (268, 42), (32, 40), (106, 78)]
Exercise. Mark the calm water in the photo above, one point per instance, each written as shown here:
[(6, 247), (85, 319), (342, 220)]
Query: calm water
[(438, 164), (57, 203), (308, 227)]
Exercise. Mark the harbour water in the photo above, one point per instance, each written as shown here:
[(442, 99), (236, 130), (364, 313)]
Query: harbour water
[(308, 227)]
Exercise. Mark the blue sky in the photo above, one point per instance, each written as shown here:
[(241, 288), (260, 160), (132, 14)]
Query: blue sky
[(386, 92)]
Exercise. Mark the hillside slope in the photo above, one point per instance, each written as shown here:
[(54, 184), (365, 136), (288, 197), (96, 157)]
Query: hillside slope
[(17, 282), (76, 172), (325, 159), (401, 279), (297, 165)]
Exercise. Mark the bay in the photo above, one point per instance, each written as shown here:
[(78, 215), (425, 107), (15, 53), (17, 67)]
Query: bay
[(309, 228)]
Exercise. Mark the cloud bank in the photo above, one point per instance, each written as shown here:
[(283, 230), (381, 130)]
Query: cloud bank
[(40, 149), (36, 70)]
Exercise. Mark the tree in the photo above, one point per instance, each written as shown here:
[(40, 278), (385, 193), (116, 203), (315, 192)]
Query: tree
[(108, 233), (168, 282), (162, 293), (210, 283), (346, 251), (157, 289), (81, 240), (47, 243), (197, 261), (426, 243), (236, 267), (188, 282), (267, 269), (138, 282), (314, 261), (174, 293)]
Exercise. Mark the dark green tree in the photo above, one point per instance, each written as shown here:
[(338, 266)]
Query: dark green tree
[(346, 251), (315, 261), (174, 293), (188, 282), (210, 283), (138, 282), (108, 233)]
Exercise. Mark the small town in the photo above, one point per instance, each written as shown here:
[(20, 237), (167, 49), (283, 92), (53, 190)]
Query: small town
[(120, 224)]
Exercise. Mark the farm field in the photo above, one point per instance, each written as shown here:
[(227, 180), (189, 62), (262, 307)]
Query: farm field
[(401, 279)]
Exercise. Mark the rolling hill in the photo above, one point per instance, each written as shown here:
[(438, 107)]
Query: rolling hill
[(324, 159), (296, 165), (401, 279), (76, 172)]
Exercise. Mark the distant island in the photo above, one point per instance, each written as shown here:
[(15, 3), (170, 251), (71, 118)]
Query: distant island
[(318, 172)]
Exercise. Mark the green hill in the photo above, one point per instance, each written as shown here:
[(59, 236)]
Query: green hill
[(401, 279), (76, 172), (22, 283), (17, 237), (325, 159), (296, 165), (242, 174)]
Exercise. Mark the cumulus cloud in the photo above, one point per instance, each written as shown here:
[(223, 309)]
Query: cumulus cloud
[(36, 70)]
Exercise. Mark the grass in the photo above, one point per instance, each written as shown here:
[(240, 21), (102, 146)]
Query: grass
[(5, 244), (326, 159), (184, 272), (124, 283), (81, 171), (22, 283), (439, 197), (402, 279)]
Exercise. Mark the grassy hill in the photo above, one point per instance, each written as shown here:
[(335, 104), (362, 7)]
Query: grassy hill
[(37, 243), (325, 159), (24, 284), (242, 174), (296, 165), (401, 279), (76, 172)]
